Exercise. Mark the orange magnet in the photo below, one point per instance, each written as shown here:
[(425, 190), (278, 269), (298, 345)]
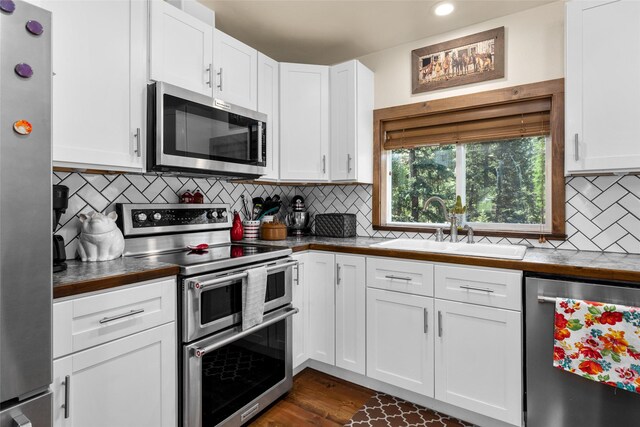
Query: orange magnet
[(22, 127)]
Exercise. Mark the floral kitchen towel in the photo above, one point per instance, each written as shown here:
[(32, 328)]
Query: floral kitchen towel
[(597, 341)]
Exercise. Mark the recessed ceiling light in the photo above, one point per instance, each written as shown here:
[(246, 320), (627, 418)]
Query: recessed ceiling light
[(443, 9)]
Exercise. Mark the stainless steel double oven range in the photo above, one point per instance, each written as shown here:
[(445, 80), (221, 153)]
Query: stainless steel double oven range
[(227, 375)]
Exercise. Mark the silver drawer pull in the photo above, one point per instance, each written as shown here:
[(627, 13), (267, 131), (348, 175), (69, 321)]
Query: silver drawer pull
[(408, 279), (67, 395), (121, 316), (21, 421), (249, 412), (471, 288)]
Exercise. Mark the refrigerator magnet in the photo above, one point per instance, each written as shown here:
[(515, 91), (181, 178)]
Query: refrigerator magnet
[(7, 6), (34, 27), (24, 70), (22, 127)]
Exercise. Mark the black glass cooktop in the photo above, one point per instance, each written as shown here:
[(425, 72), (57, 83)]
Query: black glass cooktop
[(220, 257)]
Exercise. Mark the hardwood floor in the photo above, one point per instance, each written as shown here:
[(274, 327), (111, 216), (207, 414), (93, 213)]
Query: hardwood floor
[(316, 399)]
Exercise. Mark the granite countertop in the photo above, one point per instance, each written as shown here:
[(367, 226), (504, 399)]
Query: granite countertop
[(81, 277), (583, 264)]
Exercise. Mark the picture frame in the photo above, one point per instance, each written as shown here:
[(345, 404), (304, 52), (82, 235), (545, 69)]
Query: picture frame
[(471, 59)]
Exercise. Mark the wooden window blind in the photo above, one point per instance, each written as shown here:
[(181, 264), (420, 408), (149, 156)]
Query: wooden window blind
[(479, 124)]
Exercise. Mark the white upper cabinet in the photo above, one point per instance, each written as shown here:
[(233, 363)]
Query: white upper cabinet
[(181, 49), (304, 122), (351, 123), (269, 104), (236, 68), (99, 84), (602, 108), (350, 313)]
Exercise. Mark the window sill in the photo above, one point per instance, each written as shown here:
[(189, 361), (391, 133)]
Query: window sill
[(477, 232)]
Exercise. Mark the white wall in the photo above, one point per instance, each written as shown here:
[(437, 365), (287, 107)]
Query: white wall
[(534, 51)]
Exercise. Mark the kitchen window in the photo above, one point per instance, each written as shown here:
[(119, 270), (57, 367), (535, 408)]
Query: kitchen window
[(503, 155)]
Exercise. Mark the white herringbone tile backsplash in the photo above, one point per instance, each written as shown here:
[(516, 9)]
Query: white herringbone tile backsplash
[(603, 213)]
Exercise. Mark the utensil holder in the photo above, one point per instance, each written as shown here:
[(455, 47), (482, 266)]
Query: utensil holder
[(251, 229)]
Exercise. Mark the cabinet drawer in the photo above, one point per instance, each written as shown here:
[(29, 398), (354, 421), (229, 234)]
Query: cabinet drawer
[(484, 286), (400, 276), (88, 321)]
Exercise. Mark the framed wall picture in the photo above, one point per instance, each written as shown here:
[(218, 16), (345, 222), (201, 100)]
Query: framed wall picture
[(470, 59)]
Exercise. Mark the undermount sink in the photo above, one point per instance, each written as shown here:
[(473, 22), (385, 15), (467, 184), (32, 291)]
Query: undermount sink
[(474, 249)]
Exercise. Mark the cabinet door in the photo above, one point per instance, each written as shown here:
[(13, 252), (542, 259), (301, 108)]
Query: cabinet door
[(602, 107), (237, 71), (269, 104), (479, 359), (343, 121), (400, 340), (319, 276), (350, 313), (181, 49), (130, 382), (300, 300), (304, 122), (102, 45)]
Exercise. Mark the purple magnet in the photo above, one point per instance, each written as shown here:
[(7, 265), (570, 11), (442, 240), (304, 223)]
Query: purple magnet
[(34, 27), (7, 6), (24, 70)]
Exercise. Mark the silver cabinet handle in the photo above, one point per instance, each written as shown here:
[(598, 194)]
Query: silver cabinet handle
[(210, 73), (576, 152), (471, 288), (338, 274), (348, 163), (439, 323), (426, 321), (298, 275), (220, 74), (67, 396), (137, 137), (21, 421), (392, 277), (324, 163), (121, 316)]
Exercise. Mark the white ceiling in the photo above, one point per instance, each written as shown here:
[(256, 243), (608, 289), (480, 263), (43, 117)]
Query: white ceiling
[(331, 31)]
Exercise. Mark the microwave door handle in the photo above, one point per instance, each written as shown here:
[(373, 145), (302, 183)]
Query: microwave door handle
[(270, 319)]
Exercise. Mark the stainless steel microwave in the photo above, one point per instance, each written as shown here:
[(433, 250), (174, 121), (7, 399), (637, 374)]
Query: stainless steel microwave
[(193, 134)]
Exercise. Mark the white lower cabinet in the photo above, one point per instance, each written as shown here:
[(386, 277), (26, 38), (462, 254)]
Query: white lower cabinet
[(400, 340), (129, 382), (350, 313), (319, 268), (300, 300), (479, 359)]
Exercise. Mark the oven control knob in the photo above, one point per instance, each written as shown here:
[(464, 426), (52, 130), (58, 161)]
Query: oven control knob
[(140, 217), (212, 214), (156, 217)]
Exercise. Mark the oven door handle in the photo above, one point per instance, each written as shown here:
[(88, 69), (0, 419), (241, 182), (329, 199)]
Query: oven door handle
[(195, 284), (270, 319)]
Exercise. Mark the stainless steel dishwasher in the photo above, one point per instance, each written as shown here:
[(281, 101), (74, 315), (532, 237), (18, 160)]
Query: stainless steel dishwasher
[(555, 398)]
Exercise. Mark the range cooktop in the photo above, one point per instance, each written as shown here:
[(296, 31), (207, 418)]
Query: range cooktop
[(219, 257)]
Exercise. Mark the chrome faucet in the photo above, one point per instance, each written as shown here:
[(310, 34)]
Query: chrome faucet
[(453, 231), (470, 233)]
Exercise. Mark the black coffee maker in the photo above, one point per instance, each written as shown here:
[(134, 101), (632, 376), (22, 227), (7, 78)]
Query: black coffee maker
[(60, 204)]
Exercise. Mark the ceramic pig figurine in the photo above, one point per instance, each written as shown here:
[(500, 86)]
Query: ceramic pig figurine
[(100, 238)]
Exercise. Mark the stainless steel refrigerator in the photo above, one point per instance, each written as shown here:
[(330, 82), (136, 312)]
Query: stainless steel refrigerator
[(25, 215)]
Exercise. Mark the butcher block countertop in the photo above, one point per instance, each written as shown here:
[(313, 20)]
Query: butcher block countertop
[(81, 277), (580, 264)]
